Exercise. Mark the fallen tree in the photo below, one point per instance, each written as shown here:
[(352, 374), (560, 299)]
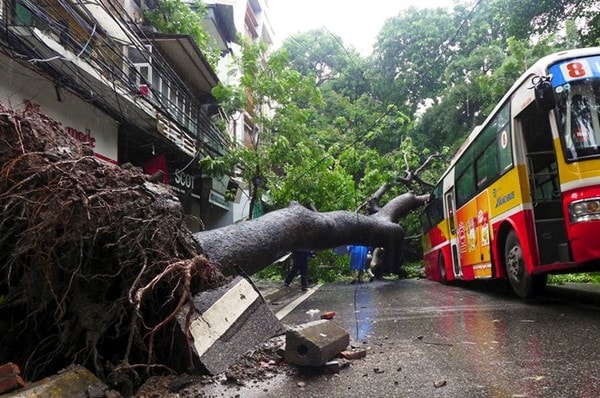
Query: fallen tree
[(252, 245), (96, 260)]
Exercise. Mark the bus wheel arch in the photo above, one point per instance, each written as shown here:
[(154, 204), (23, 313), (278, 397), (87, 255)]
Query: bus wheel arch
[(500, 240), (525, 285)]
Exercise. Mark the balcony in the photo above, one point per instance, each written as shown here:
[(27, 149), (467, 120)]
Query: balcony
[(87, 57)]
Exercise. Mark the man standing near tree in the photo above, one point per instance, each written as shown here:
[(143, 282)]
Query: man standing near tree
[(299, 266)]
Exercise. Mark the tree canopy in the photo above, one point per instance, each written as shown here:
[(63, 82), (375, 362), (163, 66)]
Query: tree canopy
[(333, 126)]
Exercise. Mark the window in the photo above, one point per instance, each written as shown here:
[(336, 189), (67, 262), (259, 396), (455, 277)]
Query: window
[(465, 186), (425, 224), (141, 73), (504, 141), (579, 120), (23, 15), (486, 159), (486, 166)]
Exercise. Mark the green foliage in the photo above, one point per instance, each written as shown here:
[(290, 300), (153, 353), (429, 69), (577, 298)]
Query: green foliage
[(177, 16), (274, 272), (326, 267), (591, 277), (406, 49), (332, 267), (414, 269)]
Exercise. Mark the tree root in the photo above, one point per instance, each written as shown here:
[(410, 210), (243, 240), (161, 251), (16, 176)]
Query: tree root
[(95, 260)]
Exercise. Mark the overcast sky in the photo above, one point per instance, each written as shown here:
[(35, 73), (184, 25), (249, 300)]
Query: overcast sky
[(357, 22)]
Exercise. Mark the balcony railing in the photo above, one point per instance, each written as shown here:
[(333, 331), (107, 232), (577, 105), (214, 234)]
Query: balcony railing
[(82, 56)]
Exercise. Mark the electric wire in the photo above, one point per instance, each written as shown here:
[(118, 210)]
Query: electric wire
[(420, 78), (111, 52), (411, 87)]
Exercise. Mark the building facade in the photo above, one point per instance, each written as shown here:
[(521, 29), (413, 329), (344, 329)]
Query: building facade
[(133, 94), (251, 21)]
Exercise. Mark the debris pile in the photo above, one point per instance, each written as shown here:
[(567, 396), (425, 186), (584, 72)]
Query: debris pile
[(260, 364), (96, 260)]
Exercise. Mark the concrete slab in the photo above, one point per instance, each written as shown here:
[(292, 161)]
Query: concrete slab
[(228, 322), (75, 382)]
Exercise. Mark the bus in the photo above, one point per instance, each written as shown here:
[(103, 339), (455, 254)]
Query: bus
[(521, 197)]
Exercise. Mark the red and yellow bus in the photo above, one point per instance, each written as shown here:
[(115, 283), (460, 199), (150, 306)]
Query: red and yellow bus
[(521, 198)]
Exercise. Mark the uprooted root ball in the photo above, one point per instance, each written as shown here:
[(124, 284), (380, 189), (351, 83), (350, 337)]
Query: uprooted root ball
[(95, 260)]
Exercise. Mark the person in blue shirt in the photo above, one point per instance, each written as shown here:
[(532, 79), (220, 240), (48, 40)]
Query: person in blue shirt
[(358, 262)]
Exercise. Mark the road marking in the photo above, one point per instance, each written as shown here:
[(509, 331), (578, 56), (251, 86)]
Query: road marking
[(290, 307)]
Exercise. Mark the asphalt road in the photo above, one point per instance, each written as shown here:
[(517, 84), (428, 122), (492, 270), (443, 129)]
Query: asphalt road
[(424, 339)]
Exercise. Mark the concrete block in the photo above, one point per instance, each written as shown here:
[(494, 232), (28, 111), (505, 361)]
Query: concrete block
[(228, 322), (315, 343), (76, 382)]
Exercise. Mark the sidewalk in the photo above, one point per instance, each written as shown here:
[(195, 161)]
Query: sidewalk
[(283, 299), (272, 290)]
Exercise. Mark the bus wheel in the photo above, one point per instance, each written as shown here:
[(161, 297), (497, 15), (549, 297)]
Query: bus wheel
[(442, 268), (525, 286)]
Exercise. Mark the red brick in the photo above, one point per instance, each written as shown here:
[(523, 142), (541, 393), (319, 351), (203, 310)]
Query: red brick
[(10, 382), (328, 315), (9, 368), (353, 354)]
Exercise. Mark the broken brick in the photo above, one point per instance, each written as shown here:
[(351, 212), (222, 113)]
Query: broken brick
[(9, 368), (353, 354), (328, 315), (10, 382)]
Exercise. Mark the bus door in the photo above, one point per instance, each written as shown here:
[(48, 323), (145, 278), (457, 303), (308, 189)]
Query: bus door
[(544, 185), (451, 215)]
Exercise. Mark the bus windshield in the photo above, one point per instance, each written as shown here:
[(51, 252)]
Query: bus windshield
[(578, 107)]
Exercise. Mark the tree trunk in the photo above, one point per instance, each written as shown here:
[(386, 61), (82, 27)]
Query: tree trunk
[(248, 247)]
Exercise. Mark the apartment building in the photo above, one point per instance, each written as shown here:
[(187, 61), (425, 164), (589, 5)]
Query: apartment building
[(251, 21), (133, 94)]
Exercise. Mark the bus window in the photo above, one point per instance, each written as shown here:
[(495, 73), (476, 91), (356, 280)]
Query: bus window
[(582, 131), (450, 204), (579, 122)]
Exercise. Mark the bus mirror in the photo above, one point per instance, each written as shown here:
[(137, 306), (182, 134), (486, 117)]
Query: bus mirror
[(544, 95)]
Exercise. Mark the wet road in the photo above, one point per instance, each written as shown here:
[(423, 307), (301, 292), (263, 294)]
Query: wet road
[(425, 339)]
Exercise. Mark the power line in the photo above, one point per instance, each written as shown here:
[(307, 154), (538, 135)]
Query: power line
[(411, 87)]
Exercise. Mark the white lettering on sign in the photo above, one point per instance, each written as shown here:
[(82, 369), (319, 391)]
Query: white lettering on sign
[(184, 180)]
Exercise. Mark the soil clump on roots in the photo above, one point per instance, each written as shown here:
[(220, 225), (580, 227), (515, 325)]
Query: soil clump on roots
[(95, 259)]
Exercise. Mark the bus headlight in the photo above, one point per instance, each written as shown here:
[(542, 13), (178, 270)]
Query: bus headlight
[(584, 210)]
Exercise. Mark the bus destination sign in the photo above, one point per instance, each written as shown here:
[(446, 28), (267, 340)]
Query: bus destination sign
[(575, 69)]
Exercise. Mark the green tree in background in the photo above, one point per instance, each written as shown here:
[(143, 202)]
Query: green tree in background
[(177, 16), (340, 126)]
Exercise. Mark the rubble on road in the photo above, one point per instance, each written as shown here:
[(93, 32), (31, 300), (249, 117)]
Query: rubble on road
[(73, 382), (262, 363)]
